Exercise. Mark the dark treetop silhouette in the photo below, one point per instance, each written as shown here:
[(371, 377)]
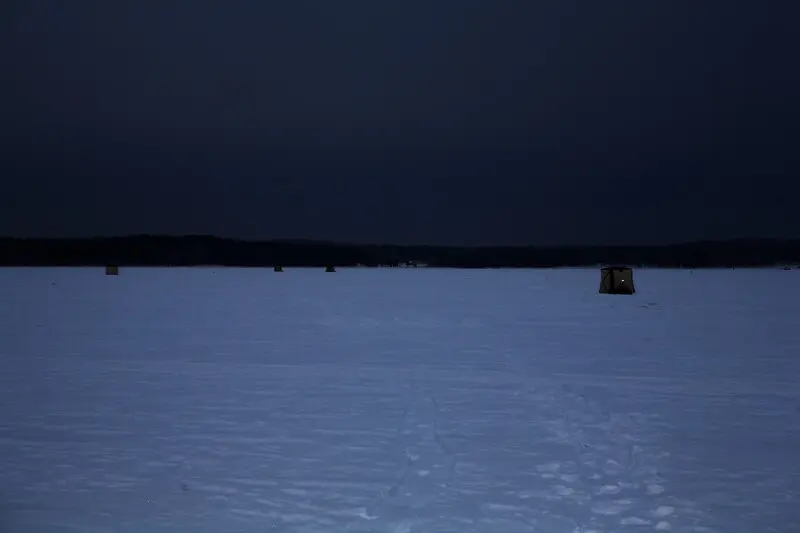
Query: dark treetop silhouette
[(151, 250)]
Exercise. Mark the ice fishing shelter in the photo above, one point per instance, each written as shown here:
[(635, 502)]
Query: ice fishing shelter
[(278, 269), (112, 270), (330, 268), (616, 280)]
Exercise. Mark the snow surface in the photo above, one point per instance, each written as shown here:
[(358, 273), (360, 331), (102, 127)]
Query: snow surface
[(398, 400)]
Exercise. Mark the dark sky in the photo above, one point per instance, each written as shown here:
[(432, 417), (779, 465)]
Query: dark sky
[(430, 121)]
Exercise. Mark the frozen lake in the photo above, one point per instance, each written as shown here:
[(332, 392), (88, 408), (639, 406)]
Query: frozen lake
[(398, 401)]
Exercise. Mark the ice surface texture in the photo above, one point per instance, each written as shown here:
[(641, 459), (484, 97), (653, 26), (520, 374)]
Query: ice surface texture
[(398, 400)]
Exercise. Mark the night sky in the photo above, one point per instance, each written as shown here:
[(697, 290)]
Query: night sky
[(416, 122)]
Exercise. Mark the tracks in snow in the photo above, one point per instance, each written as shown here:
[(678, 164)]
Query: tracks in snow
[(533, 455), (428, 466)]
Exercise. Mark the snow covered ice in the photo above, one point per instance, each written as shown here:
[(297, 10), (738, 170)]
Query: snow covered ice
[(398, 401)]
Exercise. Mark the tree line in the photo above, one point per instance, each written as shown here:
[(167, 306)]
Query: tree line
[(200, 250)]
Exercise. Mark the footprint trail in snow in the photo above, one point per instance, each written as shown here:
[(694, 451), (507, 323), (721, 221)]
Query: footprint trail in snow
[(427, 470)]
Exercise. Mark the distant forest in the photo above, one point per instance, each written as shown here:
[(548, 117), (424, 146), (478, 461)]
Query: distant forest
[(153, 250)]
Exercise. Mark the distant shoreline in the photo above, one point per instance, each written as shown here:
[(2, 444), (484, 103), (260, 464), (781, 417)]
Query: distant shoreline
[(202, 250)]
